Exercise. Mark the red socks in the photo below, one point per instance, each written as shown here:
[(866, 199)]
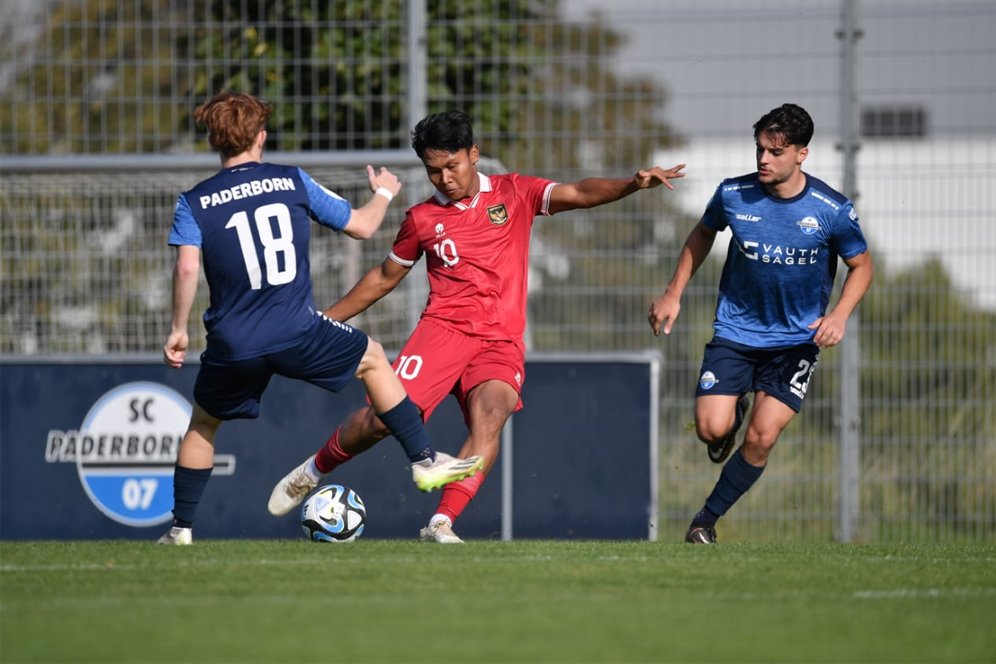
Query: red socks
[(457, 495), (331, 455)]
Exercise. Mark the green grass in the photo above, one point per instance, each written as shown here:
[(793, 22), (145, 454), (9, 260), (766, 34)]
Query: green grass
[(528, 601)]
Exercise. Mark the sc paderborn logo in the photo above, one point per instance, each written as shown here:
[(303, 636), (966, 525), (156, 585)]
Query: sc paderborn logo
[(498, 214), (125, 450)]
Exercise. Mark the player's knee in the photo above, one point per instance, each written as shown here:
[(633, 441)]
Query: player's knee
[(201, 421), (758, 443), (373, 358), (711, 429), (491, 407)]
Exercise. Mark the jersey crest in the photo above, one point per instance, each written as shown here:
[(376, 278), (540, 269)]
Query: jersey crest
[(498, 214), (809, 225)]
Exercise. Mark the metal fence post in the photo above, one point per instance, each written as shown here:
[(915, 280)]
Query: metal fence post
[(850, 360)]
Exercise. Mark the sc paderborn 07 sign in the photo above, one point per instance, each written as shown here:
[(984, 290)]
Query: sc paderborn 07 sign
[(125, 450)]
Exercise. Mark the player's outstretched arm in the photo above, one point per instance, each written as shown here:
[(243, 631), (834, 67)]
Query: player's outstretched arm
[(185, 274), (374, 285), (591, 192), (364, 221)]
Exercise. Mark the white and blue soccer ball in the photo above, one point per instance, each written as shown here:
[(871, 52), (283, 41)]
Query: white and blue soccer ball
[(333, 513)]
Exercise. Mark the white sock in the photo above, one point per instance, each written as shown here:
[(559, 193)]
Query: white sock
[(437, 518), (311, 470)]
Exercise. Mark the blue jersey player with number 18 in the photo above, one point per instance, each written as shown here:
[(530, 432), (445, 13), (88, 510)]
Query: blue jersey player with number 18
[(771, 316), (252, 223)]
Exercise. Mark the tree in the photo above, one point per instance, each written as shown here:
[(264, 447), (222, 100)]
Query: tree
[(101, 77)]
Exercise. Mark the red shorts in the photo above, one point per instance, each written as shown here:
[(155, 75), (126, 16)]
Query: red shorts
[(437, 361)]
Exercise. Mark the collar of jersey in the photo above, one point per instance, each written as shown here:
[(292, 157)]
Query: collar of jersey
[(443, 199), (244, 166)]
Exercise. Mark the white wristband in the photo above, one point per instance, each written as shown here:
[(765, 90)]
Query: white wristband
[(385, 192)]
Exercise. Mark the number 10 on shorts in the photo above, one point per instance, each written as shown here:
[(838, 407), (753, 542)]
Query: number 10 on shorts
[(409, 366)]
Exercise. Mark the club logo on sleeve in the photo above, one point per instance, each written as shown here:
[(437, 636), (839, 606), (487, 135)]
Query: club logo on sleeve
[(498, 214), (125, 450)]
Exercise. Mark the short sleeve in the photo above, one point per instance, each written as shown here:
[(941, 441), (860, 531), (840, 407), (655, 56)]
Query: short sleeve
[(847, 237), (539, 191), (714, 217), (535, 192), (185, 230), (327, 207), (407, 250)]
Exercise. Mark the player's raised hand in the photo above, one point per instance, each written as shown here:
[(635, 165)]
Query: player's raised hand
[(651, 177), (663, 312), (383, 178)]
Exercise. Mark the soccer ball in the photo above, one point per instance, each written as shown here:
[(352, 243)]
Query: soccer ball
[(333, 513)]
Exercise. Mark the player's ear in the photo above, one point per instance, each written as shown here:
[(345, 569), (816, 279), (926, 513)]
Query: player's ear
[(475, 155), (803, 153)]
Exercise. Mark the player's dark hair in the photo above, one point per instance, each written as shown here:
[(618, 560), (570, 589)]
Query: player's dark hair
[(233, 120), (450, 131), (789, 121)]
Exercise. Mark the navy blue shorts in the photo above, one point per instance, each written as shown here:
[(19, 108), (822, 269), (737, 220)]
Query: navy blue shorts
[(327, 356), (732, 368)]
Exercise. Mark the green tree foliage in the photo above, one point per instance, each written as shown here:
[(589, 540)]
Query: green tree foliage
[(101, 77), (338, 65), (107, 76), (943, 393), (522, 75)]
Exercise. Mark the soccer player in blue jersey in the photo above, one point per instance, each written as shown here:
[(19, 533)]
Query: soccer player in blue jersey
[(771, 316), (252, 223)]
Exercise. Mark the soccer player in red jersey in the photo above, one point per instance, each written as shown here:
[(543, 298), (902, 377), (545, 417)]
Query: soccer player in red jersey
[(474, 232)]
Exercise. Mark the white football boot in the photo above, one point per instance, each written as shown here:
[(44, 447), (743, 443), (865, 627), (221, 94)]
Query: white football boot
[(177, 536), (439, 530), (430, 474), (292, 489)]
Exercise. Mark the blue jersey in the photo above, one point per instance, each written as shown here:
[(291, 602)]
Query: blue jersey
[(252, 223), (782, 258)]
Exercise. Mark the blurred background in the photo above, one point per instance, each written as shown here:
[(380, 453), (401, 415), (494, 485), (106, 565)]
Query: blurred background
[(897, 441)]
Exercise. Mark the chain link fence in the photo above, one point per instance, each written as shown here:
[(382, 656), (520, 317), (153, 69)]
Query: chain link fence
[(559, 90)]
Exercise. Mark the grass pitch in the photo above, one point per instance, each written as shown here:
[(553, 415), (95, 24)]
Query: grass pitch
[(524, 601)]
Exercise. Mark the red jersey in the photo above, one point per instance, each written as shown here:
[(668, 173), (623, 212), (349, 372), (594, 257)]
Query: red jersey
[(477, 254)]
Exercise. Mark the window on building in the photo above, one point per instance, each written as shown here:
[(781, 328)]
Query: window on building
[(894, 122)]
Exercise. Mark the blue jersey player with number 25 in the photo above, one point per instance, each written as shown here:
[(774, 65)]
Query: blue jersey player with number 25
[(771, 317), (251, 222)]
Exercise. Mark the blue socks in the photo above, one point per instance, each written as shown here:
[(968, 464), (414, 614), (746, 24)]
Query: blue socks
[(405, 422), (188, 487), (737, 477)]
